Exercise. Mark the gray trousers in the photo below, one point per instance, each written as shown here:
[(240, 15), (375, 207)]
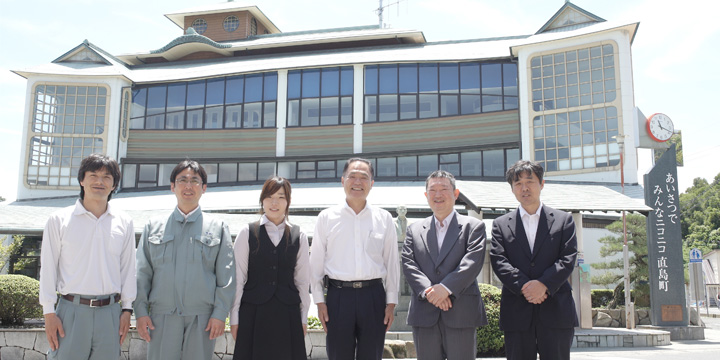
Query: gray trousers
[(90, 332), (180, 338), (440, 342)]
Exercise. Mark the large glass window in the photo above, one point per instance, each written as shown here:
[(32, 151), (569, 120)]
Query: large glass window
[(573, 78), (429, 90), (68, 123), (320, 96), (243, 101)]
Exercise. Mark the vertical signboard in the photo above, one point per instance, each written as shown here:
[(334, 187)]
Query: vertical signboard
[(664, 239)]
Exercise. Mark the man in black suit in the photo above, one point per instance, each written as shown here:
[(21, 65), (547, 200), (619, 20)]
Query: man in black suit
[(442, 257), (533, 254)]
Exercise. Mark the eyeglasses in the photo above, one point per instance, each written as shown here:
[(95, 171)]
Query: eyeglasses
[(184, 181)]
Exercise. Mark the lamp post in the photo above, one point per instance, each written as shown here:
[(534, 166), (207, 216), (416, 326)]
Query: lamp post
[(629, 305)]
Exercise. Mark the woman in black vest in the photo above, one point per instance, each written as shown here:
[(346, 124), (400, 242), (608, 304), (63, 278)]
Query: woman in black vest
[(268, 319)]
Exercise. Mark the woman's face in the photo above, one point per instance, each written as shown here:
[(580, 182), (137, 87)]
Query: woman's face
[(275, 206)]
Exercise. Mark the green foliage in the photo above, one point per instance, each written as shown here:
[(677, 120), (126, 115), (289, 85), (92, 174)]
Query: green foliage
[(490, 339), (314, 323), (2, 199), (18, 299), (11, 252), (638, 257), (600, 298), (700, 220)]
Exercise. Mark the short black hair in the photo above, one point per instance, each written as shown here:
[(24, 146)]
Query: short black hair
[(440, 174), (95, 162), (189, 164), (352, 160), (524, 167)]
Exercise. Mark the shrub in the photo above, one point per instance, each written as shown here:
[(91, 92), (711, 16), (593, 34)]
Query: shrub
[(18, 299), (314, 323), (490, 339), (600, 298)]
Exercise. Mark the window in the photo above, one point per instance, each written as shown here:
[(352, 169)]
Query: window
[(243, 101), (320, 96), (231, 23), (577, 139), (68, 124), (200, 26), (573, 78), (430, 90), (253, 26)]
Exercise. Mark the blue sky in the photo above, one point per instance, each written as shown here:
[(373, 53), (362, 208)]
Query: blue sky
[(674, 53)]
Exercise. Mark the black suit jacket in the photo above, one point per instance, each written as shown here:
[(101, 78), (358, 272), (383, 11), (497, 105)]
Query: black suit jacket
[(551, 262)]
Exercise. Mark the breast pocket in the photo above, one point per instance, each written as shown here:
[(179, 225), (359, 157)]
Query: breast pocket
[(209, 248), (375, 244), (160, 248)]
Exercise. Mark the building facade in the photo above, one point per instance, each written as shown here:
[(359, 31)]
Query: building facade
[(249, 101)]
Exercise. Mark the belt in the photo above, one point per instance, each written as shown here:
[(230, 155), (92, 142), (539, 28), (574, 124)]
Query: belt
[(94, 302), (354, 284)]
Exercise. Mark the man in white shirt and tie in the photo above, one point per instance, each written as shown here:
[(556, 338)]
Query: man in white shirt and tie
[(354, 247), (442, 257), (88, 257)]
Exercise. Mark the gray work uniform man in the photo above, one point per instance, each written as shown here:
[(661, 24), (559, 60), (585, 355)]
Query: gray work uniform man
[(185, 276), (88, 257), (442, 257)]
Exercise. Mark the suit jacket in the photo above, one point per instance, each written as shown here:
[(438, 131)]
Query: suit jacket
[(551, 262), (456, 265)]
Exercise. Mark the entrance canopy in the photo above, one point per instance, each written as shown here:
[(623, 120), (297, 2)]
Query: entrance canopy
[(239, 205)]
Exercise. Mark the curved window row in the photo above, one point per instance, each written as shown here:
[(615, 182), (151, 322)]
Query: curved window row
[(320, 96), (469, 164), (577, 139), (429, 90), (243, 101)]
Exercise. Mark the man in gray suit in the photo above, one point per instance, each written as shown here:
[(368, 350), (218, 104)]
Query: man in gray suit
[(441, 258)]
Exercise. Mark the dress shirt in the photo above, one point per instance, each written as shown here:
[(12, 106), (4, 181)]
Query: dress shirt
[(302, 266), (442, 227), (530, 223), (351, 247), (83, 254)]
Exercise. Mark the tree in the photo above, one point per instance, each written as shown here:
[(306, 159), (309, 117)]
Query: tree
[(9, 254), (637, 246), (2, 199), (700, 210)]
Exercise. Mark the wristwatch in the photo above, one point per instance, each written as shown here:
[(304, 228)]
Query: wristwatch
[(128, 310)]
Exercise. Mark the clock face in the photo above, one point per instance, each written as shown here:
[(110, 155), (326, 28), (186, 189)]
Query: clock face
[(660, 127)]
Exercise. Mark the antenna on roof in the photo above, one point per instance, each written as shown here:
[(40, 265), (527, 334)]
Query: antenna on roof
[(381, 8)]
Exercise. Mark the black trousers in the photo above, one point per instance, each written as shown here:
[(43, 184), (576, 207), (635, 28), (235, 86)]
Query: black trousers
[(356, 329), (550, 343)]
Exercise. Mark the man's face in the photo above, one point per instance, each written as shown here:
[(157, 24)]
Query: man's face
[(441, 197), (527, 190), (188, 189), (357, 181), (97, 184)]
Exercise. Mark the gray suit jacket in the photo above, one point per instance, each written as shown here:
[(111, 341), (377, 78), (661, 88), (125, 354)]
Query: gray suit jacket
[(456, 266)]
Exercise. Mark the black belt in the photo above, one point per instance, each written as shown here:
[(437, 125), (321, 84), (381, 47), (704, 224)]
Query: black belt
[(93, 302), (354, 284)]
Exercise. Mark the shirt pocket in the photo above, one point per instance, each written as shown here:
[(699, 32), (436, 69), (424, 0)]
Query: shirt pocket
[(209, 248), (375, 244), (160, 248)]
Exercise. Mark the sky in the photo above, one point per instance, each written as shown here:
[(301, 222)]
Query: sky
[(674, 52)]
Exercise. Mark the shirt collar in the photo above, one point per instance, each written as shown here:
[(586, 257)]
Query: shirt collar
[(523, 212), (80, 209), (347, 206), (445, 222), (192, 216), (264, 220)]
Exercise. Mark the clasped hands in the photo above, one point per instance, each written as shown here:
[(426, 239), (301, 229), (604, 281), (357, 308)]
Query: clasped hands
[(535, 292), (438, 296)]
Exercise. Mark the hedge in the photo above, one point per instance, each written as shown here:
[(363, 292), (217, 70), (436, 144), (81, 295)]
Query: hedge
[(19, 299), (490, 339)]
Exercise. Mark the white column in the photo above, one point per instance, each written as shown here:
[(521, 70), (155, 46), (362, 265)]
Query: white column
[(358, 106), (281, 113), (485, 275), (580, 279)]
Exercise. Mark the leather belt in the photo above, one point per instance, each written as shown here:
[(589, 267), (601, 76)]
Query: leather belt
[(94, 302), (354, 284)]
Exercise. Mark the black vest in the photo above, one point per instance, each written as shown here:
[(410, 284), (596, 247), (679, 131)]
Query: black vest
[(271, 270)]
